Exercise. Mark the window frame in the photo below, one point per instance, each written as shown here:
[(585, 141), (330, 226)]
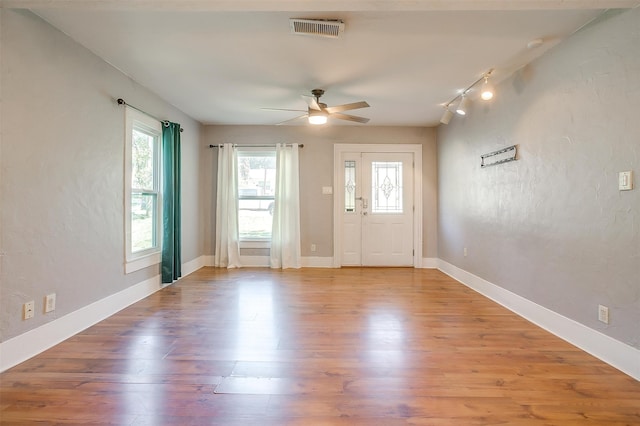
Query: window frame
[(246, 151), (135, 120)]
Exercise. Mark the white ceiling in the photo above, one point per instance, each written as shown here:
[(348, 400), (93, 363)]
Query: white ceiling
[(222, 61)]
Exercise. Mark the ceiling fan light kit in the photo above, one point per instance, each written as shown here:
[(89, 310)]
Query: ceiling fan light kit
[(319, 113), (487, 93), (317, 117)]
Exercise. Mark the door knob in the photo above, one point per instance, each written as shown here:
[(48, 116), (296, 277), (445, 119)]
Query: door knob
[(365, 204)]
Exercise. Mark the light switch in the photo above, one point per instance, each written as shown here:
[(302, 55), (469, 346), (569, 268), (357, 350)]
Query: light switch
[(327, 190), (625, 181)]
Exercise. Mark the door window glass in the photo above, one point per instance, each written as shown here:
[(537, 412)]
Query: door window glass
[(386, 187)]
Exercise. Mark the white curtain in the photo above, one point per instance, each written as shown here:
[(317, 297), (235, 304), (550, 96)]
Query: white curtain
[(285, 237), (227, 236)]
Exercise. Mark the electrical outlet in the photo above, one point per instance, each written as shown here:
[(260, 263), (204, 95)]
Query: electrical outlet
[(28, 310), (464, 251), (50, 302), (603, 314), (313, 247)]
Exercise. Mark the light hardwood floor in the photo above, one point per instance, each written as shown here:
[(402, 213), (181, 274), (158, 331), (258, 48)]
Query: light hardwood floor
[(317, 347)]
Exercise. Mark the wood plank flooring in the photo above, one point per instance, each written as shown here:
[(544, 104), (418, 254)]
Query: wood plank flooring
[(316, 347)]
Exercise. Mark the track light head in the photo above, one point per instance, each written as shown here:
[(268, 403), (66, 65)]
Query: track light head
[(487, 90), (463, 106), (447, 115), (486, 93)]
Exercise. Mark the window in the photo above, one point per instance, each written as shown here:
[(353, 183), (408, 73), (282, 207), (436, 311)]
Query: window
[(349, 186), (386, 188), (142, 191), (256, 193)]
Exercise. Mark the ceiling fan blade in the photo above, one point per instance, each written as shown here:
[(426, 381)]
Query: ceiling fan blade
[(347, 107), (349, 117), (283, 109), (311, 101), (292, 119)]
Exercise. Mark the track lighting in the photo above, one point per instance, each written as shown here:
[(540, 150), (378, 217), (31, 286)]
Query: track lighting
[(486, 93), (446, 116), (487, 90), (463, 106)]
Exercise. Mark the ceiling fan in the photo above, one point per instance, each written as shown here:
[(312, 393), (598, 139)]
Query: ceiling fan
[(318, 112)]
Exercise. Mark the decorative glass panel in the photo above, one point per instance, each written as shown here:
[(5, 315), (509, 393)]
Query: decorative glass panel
[(349, 186), (386, 191)]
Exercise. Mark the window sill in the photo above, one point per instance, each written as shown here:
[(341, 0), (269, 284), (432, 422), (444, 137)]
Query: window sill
[(142, 262)]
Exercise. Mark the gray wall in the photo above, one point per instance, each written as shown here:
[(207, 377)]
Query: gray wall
[(61, 169), (552, 226), (316, 171)]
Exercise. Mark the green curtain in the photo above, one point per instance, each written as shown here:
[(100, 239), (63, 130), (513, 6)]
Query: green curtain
[(171, 261)]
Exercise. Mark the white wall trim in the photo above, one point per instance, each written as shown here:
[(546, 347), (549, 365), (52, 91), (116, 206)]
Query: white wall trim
[(29, 344), (615, 353), (193, 265), (142, 262), (263, 261), (430, 263), (338, 151), (317, 262)]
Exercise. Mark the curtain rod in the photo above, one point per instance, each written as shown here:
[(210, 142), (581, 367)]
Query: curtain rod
[(165, 123), (257, 146)]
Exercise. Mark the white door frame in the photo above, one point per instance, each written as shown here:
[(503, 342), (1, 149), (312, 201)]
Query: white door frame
[(416, 149)]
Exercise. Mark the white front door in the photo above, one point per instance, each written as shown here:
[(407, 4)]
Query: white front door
[(377, 212)]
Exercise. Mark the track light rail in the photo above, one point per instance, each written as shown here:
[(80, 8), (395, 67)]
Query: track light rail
[(448, 113)]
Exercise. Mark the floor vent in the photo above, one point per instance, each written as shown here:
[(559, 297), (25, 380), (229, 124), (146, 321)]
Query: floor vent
[(317, 27)]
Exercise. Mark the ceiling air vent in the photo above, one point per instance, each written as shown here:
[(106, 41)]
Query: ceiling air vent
[(317, 27)]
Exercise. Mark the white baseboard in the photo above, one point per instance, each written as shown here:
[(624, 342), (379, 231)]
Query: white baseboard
[(263, 261), (192, 266), (317, 262), (615, 353), (22, 347), (429, 263), (307, 262)]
